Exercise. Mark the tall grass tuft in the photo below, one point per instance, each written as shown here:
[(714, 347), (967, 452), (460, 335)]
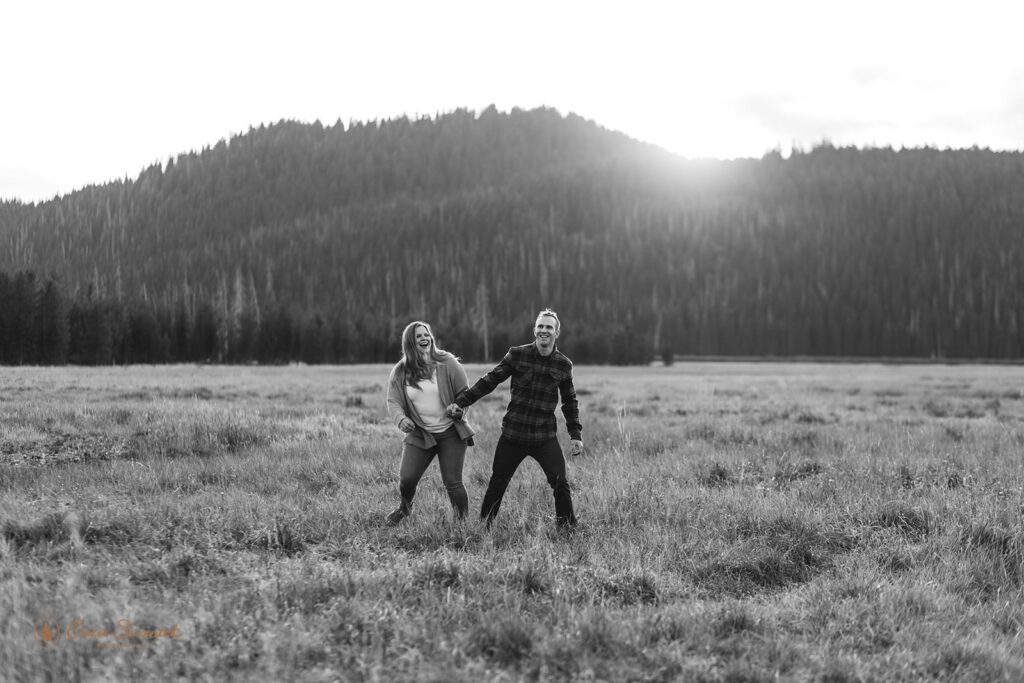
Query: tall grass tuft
[(507, 642)]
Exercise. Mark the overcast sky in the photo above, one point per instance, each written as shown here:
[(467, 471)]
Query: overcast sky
[(95, 90)]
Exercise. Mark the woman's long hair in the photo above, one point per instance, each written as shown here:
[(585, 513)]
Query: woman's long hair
[(415, 367)]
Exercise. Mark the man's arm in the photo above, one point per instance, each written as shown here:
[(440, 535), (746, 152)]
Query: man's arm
[(486, 384), (571, 409)]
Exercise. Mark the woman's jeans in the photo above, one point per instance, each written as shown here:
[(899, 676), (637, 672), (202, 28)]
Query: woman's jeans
[(507, 457), (451, 454)]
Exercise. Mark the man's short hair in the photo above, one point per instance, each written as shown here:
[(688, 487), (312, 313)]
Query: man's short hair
[(548, 311)]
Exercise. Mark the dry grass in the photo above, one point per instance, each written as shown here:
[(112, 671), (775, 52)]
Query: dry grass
[(740, 522)]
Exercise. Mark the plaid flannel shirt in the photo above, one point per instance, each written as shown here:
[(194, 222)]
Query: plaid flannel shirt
[(537, 382)]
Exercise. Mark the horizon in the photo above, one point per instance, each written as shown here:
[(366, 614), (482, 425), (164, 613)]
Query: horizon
[(786, 152), (109, 89)]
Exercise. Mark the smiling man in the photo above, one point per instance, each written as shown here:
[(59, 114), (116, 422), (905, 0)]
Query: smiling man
[(541, 374)]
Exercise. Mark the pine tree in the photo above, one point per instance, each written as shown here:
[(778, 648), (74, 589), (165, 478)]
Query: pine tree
[(52, 320), (24, 309)]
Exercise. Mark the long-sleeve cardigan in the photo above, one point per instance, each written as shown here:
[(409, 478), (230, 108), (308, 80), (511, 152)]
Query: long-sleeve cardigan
[(451, 381)]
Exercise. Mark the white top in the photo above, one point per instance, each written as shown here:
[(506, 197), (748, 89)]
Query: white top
[(428, 404)]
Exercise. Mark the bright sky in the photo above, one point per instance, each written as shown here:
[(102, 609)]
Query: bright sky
[(97, 90)]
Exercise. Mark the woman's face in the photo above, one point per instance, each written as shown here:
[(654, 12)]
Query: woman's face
[(423, 339)]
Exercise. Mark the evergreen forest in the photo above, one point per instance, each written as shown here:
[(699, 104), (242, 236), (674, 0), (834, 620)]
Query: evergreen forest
[(313, 243)]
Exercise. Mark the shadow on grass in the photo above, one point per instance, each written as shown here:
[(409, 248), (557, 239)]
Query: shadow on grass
[(771, 555)]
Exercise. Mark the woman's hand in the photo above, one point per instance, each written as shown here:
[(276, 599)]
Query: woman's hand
[(406, 425)]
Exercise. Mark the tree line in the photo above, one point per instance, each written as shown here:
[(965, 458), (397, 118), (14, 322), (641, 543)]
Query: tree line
[(41, 325), (299, 242)]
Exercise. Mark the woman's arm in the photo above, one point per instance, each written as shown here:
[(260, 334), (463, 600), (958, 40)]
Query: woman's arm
[(396, 397), (458, 378), (458, 383)]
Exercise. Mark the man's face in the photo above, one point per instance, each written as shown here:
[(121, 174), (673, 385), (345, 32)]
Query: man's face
[(545, 331)]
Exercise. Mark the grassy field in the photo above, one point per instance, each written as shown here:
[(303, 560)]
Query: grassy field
[(739, 522)]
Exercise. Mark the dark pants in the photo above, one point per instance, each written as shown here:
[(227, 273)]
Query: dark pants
[(507, 457), (451, 454)]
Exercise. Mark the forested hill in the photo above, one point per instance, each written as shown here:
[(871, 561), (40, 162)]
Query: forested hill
[(302, 241)]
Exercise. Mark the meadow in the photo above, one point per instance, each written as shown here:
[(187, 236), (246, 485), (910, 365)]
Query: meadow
[(738, 522)]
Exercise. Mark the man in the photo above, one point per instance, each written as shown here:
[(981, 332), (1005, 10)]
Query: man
[(540, 374)]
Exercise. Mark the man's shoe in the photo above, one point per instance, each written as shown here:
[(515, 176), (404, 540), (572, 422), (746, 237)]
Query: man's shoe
[(397, 516)]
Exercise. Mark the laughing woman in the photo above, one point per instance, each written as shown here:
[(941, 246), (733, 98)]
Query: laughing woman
[(420, 386)]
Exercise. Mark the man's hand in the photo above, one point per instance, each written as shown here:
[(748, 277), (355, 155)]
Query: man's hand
[(576, 447), (406, 425), (454, 411)]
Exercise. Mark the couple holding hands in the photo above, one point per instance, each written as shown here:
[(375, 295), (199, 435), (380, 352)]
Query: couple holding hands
[(427, 396)]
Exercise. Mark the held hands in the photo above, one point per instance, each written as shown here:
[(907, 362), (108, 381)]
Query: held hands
[(406, 425), (575, 447), (454, 411)]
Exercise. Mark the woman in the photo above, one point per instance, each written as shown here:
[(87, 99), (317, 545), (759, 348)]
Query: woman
[(420, 386)]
